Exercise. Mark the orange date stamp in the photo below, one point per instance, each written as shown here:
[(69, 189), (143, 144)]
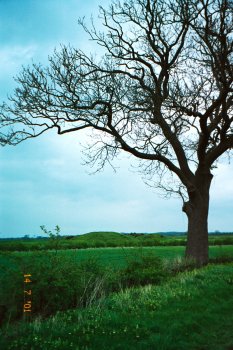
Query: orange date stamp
[(27, 306)]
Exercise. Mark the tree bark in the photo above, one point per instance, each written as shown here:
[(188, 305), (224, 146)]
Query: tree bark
[(197, 209)]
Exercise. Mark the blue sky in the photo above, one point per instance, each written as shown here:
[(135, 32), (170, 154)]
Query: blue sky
[(43, 181)]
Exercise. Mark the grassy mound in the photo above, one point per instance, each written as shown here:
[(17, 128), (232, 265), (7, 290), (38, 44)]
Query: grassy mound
[(103, 240)]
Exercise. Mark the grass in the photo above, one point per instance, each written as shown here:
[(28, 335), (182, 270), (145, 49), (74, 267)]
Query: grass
[(192, 311)]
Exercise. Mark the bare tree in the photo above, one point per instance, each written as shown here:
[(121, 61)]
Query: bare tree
[(162, 91)]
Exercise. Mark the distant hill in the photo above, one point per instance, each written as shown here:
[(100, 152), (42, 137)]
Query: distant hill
[(111, 235), (108, 239), (177, 233)]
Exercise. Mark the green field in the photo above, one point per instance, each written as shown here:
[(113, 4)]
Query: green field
[(114, 257)]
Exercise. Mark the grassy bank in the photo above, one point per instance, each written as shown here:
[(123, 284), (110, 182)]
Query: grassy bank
[(190, 311)]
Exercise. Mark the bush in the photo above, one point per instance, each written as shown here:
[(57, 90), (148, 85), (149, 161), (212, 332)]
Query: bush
[(99, 244), (57, 284), (145, 270), (11, 291), (223, 258)]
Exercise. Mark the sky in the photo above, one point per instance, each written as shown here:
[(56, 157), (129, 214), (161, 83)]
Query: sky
[(43, 181)]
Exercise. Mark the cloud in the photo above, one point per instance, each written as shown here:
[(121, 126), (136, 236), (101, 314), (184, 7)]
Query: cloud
[(32, 30), (13, 57)]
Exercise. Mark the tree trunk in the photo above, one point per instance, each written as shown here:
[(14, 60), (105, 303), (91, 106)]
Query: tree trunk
[(197, 209)]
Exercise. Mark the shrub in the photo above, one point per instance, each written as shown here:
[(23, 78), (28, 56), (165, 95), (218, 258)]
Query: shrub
[(143, 270), (57, 284), (221, 259), (11, 291), (54, 237)]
